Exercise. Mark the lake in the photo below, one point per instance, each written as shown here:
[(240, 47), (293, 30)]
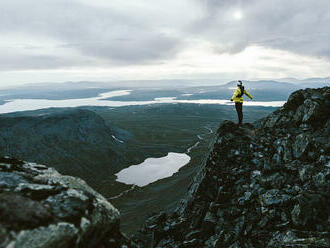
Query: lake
[(153, 169), (16, 105)]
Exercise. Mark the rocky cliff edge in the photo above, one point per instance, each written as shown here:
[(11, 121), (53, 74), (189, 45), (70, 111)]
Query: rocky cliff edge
[(263, 185)]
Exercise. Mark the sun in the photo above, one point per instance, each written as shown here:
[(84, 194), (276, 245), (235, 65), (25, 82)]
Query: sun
[(238, 15)]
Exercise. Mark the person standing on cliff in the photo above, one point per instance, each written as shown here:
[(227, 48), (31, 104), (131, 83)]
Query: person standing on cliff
[(238, 99)]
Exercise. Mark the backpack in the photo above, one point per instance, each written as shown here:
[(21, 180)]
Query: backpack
[(242, 91)]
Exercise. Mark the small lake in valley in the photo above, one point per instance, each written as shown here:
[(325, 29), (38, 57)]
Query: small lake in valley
[(153, 169)]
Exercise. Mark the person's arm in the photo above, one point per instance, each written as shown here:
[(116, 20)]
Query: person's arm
[(248, 94), (237, 91)]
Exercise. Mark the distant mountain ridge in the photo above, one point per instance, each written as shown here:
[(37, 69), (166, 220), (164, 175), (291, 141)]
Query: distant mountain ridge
[(147, 89)]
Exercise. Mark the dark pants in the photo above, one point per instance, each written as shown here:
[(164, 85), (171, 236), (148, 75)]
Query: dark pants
[(239, 110)]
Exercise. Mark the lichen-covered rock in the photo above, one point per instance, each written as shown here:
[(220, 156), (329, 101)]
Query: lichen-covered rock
[(40, 208), (274, 197), (262, 186), (59, 235), (310, 106)]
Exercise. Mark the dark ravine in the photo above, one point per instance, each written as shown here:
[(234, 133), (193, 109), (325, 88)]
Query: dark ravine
[(262, 185)]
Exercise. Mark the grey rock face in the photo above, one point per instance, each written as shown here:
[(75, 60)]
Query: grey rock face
[(265, 186), (41, 208), (274, 197), (300, 147)]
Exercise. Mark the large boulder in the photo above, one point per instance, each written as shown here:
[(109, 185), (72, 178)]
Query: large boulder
[(310, 107), (41, 208)]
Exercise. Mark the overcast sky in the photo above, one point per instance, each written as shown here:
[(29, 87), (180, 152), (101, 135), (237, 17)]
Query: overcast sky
[(101, 40)]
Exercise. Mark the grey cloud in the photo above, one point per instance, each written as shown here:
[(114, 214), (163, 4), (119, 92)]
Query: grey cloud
[(103, 33), (109, 36), (300, 26), (145, 49), (41, 62)]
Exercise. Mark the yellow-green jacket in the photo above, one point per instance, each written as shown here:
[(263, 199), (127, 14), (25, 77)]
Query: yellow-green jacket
[(237, 93)]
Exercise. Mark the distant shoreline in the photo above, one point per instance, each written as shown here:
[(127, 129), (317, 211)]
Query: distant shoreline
[(19, 105)]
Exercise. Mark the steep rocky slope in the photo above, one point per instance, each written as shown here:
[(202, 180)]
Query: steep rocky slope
[(265, 185), (41, 208)]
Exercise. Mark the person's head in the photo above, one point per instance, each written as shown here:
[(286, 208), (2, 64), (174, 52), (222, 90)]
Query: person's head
[(239, 83)]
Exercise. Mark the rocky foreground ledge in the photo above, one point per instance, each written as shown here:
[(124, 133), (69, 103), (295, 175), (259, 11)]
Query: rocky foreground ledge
[(41, 208), (265, 185)]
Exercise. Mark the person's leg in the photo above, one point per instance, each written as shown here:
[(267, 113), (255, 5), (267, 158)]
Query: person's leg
[(239, 111), (238, 107), (241, 121)]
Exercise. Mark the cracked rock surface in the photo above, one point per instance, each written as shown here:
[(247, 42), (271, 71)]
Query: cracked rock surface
[(41, 208)]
